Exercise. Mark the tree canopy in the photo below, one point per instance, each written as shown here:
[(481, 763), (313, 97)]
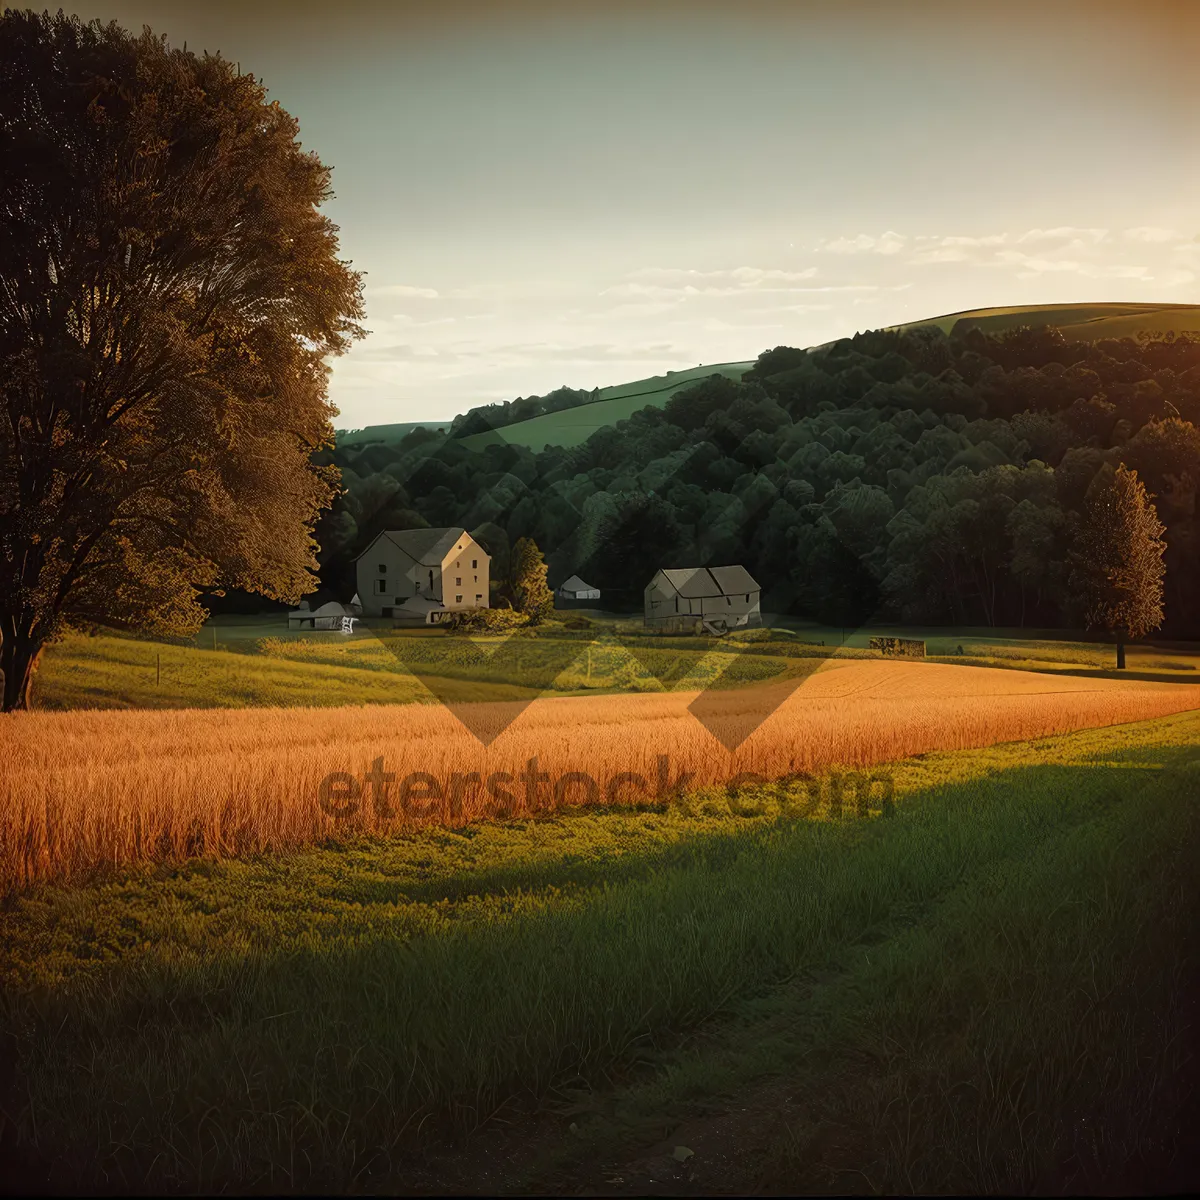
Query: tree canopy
[(169, 294), (910, 475), (1117, 559), (531, 594)]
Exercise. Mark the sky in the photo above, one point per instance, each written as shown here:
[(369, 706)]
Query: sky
[(590, 193)]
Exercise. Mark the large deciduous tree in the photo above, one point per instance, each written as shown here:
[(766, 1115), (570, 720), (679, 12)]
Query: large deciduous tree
[(1116, 562), (169, 294)]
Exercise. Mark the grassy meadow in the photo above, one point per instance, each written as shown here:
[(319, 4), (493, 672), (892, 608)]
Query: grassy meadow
[(982, 991), (252, 661), (573, 426), (1079, 322)]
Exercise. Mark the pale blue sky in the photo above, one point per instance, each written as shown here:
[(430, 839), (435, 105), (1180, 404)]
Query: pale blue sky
[(591, 194)]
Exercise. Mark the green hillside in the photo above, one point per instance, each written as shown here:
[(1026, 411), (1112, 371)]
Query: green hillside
[(1078, 322), (386, 433), (573, 426)]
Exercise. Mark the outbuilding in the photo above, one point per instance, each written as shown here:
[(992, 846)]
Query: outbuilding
[(575, 589), (714, 599), (329, 616)]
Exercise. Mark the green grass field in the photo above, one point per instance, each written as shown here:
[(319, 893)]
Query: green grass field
[(258, 662), (1078, 322), (983, 991), (574, 426), (386, 433)]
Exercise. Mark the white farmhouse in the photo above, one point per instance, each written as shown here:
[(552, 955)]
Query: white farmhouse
[(716, 599), (423, 574)]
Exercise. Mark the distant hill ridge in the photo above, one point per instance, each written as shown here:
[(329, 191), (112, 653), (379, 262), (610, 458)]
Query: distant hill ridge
[(572, 426)]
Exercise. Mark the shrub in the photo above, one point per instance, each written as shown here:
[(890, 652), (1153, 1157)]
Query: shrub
[(486, 620)]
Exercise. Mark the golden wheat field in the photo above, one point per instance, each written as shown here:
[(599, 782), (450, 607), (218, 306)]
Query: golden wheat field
[(86, 790)]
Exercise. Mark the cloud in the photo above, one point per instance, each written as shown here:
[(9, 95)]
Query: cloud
[(393, 352), (745, 276), (1154, 234), (404, 289), (678, 283), (990, 239), (1033, 264), (595, 352), (887, 243), (1064, 233)]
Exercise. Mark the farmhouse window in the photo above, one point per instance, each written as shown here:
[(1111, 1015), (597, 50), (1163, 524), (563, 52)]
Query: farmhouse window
[(458, 582), (474, 563), (380, 586), (747, 597), (457, 599), (676, 603), (431, 579), (383, 568), (478, 597)]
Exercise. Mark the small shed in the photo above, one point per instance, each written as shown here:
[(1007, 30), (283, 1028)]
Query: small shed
[(329, 616), (575, 589)]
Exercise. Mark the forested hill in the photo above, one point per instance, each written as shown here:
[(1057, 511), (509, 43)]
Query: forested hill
[(918, 474)]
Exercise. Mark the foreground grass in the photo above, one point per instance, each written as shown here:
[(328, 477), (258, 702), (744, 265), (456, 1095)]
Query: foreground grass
[(1003, 952)]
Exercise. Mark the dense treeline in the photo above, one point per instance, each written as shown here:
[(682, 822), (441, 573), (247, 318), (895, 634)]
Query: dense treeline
[(918, 475)]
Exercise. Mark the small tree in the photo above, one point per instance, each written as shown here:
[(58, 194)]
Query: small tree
[(531, 594), (1116, 564)]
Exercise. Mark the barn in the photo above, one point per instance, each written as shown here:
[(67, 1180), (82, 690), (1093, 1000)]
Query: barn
[(711, 599), (329, 616), (575, 589)]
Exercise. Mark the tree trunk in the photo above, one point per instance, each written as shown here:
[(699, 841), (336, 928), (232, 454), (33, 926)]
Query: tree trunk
[(1120, 650), (18, 661)]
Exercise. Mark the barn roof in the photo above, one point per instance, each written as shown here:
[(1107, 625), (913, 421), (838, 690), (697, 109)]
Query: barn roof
[(575, 584), (696, 583), (427, 546)]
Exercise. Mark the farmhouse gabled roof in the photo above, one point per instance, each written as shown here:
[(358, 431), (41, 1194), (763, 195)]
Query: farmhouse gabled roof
[(575, 584), (429, 547), (697, 583), (732, 580)]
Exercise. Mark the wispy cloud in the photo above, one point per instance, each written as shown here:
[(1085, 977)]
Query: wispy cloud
[(667, 283), (1064, 233), (887, 243), (404, 289), (744, 276), (1155, 234)]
